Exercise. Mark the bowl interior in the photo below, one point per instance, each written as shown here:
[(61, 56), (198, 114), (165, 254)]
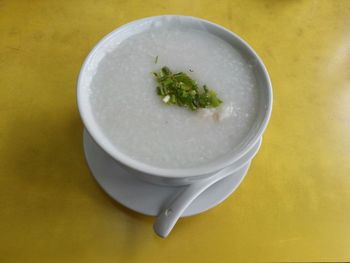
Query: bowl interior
[(109, 42)]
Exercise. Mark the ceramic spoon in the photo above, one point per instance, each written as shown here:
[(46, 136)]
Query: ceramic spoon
[(168, 217)]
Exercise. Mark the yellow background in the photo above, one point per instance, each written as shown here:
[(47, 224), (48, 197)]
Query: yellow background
[(294, 204)]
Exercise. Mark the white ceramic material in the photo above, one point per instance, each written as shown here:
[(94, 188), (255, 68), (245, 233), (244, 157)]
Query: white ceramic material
[(172, 211), (147, 198), (169, 193), (174, 176)]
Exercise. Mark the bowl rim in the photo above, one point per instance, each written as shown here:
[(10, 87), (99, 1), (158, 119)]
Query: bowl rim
[(149, 169)]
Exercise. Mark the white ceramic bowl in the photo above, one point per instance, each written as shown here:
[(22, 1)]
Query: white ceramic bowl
[(174, 176)]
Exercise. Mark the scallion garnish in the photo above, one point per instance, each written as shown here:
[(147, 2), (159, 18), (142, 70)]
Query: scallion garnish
[(179, 89)]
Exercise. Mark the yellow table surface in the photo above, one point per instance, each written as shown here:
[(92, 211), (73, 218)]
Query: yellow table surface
[(294, 204)]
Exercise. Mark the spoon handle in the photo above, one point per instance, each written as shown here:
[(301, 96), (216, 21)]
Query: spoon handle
[(167, 219)]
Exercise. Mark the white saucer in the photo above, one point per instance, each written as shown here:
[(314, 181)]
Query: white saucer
[(147, 198)]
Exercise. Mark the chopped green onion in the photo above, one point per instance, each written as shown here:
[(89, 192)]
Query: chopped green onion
[(166, 98), (179, 89)]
